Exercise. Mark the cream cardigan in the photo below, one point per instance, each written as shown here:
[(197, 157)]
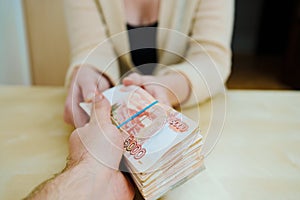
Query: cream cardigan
[(194, 38)]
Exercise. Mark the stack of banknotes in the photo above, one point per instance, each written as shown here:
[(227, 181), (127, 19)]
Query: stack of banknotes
[(161, 146)]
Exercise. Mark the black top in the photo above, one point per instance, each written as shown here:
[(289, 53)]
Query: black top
[(143, 51)]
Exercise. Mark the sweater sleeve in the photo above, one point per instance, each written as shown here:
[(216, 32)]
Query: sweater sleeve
[(207, 63), (88, 38)]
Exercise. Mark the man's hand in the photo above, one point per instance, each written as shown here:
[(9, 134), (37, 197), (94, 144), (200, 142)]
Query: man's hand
[(86, 81), (99, 141), (93, 148)]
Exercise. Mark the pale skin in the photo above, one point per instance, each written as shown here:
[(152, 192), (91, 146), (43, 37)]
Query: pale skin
[(84, 176), (171, 89)]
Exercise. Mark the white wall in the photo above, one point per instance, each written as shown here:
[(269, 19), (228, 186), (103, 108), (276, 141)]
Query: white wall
[(14, 62)]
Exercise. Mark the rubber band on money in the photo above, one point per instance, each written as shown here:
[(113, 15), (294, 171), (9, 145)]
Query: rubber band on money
[(137, 114)]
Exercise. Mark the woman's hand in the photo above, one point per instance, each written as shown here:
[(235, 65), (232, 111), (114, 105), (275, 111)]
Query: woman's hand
[(170, 89), (151, 84), (86, 82)]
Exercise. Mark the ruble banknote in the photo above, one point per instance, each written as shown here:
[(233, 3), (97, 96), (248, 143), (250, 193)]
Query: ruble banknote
[(161, 146)]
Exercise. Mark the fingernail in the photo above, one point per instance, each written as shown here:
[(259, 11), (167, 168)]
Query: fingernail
[(98, 98), (97, 92), (89, 97), (86, 125)]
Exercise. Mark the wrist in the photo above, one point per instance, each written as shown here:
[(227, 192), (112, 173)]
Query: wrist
[(89, 163)]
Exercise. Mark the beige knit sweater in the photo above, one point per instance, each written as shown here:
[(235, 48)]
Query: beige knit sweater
[(194, 38)]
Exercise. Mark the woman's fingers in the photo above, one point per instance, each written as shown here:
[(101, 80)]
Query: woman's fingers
[(102, 83), (133, 79), (73, 114), (162, 97), (151, 84), (91, 82), (88, 89), (101, 110), (68, 116), (83, 88)]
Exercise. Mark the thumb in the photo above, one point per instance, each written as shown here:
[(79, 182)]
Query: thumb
[(133, 79), (101, 110), (88, 89)]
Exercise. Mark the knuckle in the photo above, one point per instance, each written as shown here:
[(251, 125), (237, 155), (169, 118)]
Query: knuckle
[(67, 115), (68, 108), (74, 137)]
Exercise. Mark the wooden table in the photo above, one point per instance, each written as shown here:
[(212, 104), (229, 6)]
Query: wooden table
[(257, 157)]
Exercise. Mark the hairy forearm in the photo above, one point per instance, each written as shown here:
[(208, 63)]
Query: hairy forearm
[(76, 182)]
